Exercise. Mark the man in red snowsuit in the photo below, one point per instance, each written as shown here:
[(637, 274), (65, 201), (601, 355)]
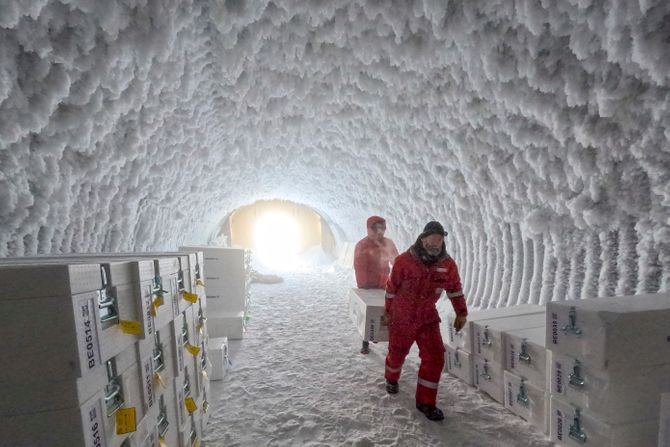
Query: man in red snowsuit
[(373, 256), (417, 280), (372, 259)]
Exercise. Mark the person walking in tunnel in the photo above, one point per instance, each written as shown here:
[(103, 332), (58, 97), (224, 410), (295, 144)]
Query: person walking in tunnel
[(373, 256), (418, 278)]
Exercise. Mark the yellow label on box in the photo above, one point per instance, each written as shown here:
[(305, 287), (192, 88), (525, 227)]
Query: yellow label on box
[(162, 442), (159, 379), (197, 442), (131, 327), (192, 349), (191, 297), (126, 421), (155, 304), (190, 404)]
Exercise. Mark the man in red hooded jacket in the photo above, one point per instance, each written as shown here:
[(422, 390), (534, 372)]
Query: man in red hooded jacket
[(373, 257), (418, 278)]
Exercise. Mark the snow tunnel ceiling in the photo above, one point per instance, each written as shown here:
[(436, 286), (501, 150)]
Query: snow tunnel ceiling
[(537, 131)]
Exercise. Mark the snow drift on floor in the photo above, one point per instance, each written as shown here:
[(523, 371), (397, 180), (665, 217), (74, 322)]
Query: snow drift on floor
[(297, 379)]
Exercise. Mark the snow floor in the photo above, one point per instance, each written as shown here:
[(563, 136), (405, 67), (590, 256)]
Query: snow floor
[(298, 379)]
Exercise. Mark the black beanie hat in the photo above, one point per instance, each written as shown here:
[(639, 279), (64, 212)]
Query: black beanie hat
[(433, 227)]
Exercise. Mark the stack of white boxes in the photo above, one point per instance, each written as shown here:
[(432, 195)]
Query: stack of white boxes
[(228, 280), (460, 346), (610, 365), (526, 375), (489, 350), (103, 350)]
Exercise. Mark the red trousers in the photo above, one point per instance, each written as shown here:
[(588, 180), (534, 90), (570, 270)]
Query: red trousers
[(431, 352)]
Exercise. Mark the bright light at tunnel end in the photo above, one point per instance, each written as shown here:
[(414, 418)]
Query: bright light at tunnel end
[(277, 241)]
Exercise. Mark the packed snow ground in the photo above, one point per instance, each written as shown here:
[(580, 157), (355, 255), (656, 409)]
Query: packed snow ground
[(297, 379)]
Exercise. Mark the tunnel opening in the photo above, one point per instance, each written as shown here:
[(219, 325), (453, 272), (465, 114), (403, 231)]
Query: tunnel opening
[(282, 235)]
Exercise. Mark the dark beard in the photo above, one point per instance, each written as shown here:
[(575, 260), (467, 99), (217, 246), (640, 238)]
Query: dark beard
[(425, 257)]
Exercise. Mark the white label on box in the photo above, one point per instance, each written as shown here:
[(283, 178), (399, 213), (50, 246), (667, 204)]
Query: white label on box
[(149, 319), (148, 379), (180, 402), (174, 287), (559, 425), (93, 424), (89, 348)]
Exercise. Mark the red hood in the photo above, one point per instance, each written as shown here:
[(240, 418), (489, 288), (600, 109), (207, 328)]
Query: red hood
[(371, 221)]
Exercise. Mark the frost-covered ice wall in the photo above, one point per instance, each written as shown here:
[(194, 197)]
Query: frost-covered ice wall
[(537, 131)]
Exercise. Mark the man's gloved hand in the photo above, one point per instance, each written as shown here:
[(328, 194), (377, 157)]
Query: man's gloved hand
[(459, 322)]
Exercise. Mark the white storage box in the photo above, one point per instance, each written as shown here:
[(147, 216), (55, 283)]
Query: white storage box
[(458, 363), (526, 356), (367, 311), (612, 397), (574, 427), (146, 434), (612, 333), (231, 325), (49, 339), (527, 401), (218, 354), (19, 280), (79, 426), (487, 335), (222, 300), (167, 420), (489, 378), (664, 430), (156, 365), (32, 395), (189, 436), (462, 338)]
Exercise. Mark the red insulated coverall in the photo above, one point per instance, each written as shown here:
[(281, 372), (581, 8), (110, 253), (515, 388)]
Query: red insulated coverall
[(411, 293), (372, 258)]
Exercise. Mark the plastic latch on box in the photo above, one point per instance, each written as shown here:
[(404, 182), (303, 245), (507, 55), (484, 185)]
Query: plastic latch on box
[(487, 341), (522, 396), (576, 379), (576, 433), (572, 328), (485, 374)]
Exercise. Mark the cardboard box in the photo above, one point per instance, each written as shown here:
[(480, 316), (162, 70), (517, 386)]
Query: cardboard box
[(612, 333), (488, 377), (527, 401), (526, 356), (576, 427), (487, 335), (463, 339), (613, 397), (458, 363), (367, 310)]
